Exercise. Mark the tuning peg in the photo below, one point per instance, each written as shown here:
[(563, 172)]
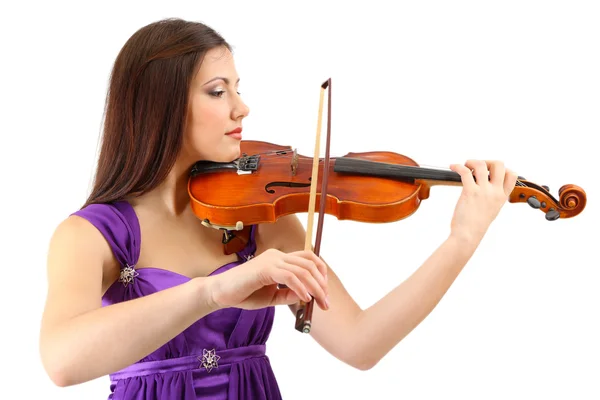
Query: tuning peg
[(546, 187), (533, 202), (521, 178), (552, 215)]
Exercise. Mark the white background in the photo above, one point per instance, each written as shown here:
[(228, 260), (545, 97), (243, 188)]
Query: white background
[(440, 82)]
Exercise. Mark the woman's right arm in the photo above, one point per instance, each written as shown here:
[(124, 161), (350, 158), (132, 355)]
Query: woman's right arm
[(79, 339)]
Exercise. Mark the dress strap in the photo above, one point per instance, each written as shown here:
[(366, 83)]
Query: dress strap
[(119, 225)]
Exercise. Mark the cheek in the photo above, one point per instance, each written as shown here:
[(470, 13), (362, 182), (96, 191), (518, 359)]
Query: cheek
[(211, 118), (208, 116), (206, 129)]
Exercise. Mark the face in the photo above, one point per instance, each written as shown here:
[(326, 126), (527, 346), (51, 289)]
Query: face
[(215, 109)]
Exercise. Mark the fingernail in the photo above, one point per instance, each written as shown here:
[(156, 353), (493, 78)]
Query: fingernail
[(327, 302)]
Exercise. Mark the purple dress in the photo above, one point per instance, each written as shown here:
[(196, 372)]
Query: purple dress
[(220, 356)]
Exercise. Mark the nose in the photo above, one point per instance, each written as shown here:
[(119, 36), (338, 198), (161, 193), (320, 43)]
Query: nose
[(240, 109)]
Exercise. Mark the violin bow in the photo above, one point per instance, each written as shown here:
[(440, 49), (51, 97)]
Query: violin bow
[(305, 310)]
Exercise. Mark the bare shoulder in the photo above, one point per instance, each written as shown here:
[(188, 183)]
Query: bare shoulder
[(287, 235), (77, 257), (74, 238)]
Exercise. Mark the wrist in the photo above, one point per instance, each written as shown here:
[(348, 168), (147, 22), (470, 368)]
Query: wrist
[(464, 242), (202, 288)]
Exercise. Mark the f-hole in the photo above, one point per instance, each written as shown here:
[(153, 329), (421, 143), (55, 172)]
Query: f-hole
[(270, 185)]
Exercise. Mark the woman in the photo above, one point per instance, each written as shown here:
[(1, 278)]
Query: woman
[(141, 290)]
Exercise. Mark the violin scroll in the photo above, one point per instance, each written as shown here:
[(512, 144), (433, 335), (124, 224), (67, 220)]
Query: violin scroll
[(572, 199)]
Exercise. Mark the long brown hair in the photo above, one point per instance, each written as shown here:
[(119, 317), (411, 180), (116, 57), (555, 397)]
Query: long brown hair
[(146, 106)]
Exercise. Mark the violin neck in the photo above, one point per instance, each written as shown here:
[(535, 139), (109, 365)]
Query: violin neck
[(408, 173)]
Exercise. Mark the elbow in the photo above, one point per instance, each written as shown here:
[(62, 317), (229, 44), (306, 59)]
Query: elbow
[(58, 374), (364, 364), (57, 368), (362, 360), (59, 378)]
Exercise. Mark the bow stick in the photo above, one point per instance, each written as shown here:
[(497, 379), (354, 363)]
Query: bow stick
[(305, 310)]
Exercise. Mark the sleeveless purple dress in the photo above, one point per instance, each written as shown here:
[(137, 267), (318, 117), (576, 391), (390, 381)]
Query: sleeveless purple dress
[(220, 356)]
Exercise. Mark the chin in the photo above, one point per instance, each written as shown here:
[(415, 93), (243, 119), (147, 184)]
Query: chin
[(224, 151), (230, 152)]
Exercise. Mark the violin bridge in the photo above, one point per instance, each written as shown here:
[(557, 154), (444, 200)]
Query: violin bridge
[(294, 163)]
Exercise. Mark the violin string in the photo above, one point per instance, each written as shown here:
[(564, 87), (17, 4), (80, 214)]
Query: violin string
[(436, 167), (272, 152), (517, 183)]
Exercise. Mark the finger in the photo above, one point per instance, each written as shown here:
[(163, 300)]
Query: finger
[(510, 180), (291, 282), (480, 171), (309, 261), (314, 289), (466, 175), (266, 295), (310, 255), (497, 172), (321, 265), (285, 297)]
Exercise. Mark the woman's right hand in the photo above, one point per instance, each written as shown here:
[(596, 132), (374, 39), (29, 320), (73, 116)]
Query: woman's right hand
[(254, 284)]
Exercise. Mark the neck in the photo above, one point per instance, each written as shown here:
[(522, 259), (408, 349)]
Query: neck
[(395, 171), (171, 196)]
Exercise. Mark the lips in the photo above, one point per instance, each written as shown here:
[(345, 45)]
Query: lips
[(236, 130)]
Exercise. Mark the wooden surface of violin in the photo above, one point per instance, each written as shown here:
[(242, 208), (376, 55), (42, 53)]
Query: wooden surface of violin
[(269, 181)]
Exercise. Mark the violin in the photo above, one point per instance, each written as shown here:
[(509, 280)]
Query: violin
[(269, 181)]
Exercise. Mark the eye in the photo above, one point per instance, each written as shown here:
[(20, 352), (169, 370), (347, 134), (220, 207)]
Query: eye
[(217, 93)]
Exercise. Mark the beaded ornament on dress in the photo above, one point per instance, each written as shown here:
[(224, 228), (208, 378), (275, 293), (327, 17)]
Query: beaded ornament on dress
[(209, 359), (128, 274)]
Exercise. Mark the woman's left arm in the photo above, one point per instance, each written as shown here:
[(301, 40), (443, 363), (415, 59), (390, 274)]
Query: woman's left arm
[(361, 338)]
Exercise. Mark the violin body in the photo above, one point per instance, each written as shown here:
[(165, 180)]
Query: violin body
[(269, 181), (223, 197)]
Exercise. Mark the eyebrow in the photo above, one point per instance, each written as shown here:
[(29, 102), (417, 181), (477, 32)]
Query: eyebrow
[(226, 80)]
